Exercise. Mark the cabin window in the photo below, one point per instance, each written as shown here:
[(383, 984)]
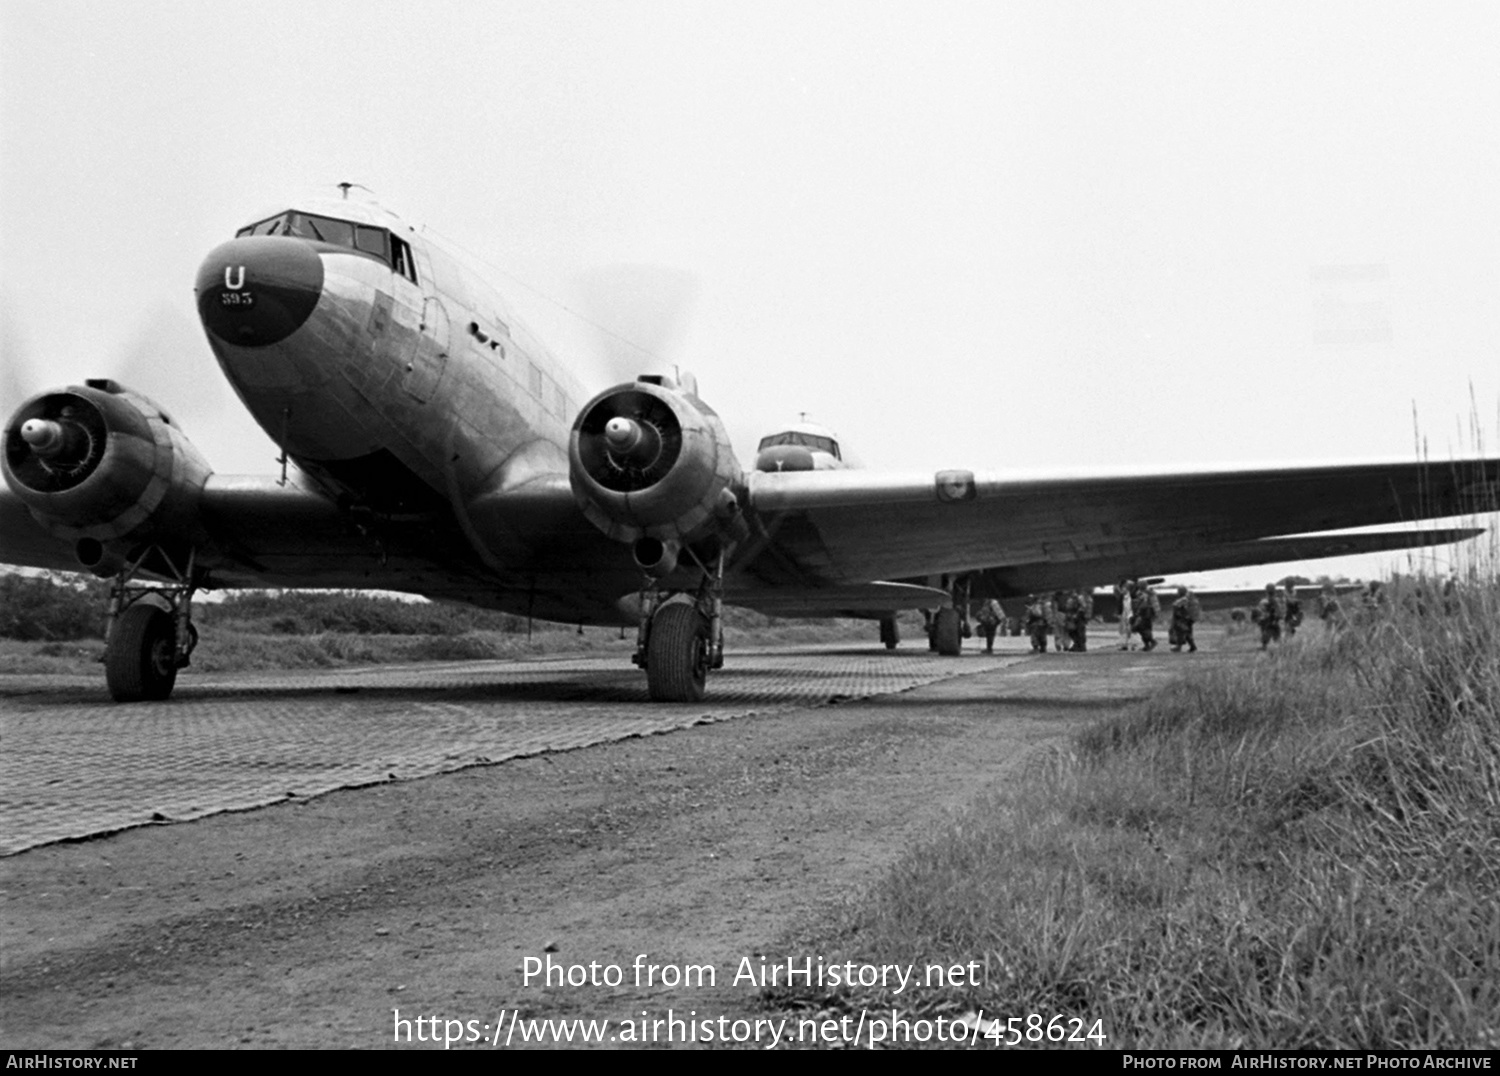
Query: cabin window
[(485, 338), (535, 381)]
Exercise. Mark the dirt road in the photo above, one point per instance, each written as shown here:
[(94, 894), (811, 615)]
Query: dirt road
[(324, 923)]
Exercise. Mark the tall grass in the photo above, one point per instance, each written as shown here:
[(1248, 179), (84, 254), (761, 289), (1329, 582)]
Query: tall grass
[(1302, 851)]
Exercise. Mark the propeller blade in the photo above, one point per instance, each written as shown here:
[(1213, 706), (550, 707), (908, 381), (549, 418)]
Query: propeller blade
[(638, 315)]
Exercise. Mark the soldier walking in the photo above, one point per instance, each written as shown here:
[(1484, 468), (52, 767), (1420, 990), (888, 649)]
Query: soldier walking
[(1293, 605), (1079, 612), (1038, 622), (1185, 613), (1059, 617), (1329, 610), (1268, 614), (1146, 608), (1122, 591), (989, 618)]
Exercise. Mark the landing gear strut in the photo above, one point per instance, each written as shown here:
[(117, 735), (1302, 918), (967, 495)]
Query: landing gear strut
[(150, 634), (678, 642)]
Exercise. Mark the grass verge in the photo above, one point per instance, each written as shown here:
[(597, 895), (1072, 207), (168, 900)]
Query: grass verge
[(1303, 851)]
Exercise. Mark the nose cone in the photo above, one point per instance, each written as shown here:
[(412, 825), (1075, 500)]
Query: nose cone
[(258, 290)]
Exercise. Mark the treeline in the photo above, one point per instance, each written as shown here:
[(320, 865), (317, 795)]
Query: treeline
[(302, 612), (52, 608), (63, 607)]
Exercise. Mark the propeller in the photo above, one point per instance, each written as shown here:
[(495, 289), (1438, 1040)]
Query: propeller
[(629, 440), (63, 439), (17, 377), (637, 315), (165, 358)]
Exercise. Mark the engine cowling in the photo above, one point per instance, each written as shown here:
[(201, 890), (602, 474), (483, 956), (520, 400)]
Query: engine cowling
[(651, 463), (104, 468)]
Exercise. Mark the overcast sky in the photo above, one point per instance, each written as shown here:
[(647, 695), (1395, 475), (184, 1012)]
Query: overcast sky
[(980, 235)]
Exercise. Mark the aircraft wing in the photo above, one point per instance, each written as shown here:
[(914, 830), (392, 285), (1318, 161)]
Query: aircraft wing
[(22, 541), (257, 532), (853, 526)]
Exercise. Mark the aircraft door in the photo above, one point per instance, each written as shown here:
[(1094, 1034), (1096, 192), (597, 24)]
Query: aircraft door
[(425, 367)]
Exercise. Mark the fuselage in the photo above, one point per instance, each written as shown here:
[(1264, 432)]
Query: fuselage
[(380, 364), (404, 385)]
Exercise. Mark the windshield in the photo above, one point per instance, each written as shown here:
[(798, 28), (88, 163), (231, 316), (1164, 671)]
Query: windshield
[(806, 440), (340, 233)]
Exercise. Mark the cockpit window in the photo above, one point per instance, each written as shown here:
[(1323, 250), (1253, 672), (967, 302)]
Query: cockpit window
[(806, 440), (338, 232), (401, 259), (376, 242), (370, 240)]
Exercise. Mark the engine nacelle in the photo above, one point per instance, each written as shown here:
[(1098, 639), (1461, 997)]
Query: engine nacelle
[(104, 468), (649, 460)]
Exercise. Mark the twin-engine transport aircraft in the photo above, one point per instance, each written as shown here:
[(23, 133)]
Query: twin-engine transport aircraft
[(440, 449)]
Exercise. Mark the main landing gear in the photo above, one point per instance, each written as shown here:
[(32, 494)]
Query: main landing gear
[(949, 626), (150, 634), (947, 632), (681, 638)]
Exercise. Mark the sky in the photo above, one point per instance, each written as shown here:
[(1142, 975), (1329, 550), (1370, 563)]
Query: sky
[(987, 235)]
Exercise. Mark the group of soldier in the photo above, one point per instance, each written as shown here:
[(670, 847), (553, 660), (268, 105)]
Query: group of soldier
[(1279, 614), (1063, 614), (1140, 608)]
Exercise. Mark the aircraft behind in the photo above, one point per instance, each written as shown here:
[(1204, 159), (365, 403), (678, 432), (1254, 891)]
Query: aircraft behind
[(806, 446)]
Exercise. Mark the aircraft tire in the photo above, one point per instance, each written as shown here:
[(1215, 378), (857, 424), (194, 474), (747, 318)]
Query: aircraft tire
[(947, 633), (141, 662), (890, 632), (677, 654)]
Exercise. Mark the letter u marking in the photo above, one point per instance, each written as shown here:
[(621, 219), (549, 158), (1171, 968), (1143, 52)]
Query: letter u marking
[(231, 282)]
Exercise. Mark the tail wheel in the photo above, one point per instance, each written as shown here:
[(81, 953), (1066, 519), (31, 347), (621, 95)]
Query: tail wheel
[(141, 662), (677, 654), (947, 633)]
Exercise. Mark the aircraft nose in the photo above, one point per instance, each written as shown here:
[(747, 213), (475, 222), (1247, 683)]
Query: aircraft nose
[(258, 290)]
